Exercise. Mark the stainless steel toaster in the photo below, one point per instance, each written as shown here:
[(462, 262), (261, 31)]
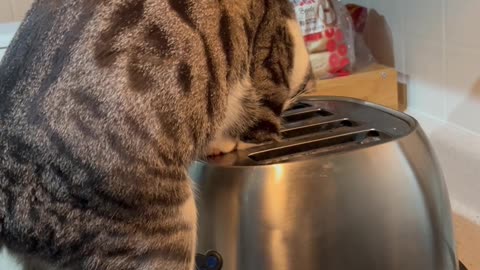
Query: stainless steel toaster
[(350, 185)]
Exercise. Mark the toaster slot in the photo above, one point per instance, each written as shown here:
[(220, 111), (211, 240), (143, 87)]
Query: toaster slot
[(315, 128), (297, 117), (325, 144), (299, 106)]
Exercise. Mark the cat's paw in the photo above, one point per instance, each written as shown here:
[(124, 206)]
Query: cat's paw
[(212, 151), (243, 145), (221, 146)]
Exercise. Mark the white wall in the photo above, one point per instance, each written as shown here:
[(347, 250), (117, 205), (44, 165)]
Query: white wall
[(13, 10), (8, 262), (10, 11), (436, 45)]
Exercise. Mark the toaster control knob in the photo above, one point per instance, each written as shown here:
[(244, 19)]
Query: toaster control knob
[(212, 260)]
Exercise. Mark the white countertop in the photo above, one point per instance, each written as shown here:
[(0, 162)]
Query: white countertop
[(7, 31)]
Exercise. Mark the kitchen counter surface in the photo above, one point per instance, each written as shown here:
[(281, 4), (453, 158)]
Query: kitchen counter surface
[(7, 31), (467, 235)]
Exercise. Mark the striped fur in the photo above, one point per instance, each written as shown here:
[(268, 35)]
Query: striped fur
[(105, 103)]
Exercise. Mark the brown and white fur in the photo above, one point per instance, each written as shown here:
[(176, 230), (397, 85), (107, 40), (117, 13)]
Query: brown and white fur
[(104, 104)]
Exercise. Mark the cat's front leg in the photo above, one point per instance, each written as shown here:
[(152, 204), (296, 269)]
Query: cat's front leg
[(222, 145), (164, 240), (227, 144), (172, 251), (243, 145)]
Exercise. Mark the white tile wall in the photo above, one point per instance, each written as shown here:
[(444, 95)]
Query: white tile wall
[(6, 11), (463, 87), (13, 10), (462, 23), (20, 7), (424, 60), (439, 42), (423, 18)]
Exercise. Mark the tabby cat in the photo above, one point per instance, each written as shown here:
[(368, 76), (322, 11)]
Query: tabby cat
[(104, 104)]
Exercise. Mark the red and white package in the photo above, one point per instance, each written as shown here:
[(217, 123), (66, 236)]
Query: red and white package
[(328, 31)]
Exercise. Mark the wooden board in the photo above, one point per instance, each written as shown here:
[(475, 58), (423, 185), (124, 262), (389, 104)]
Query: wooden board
[(377, 84), (467, 235)]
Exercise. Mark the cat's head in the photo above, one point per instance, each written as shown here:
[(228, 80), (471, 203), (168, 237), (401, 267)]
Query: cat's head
[(279, 73), (280, 70)]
